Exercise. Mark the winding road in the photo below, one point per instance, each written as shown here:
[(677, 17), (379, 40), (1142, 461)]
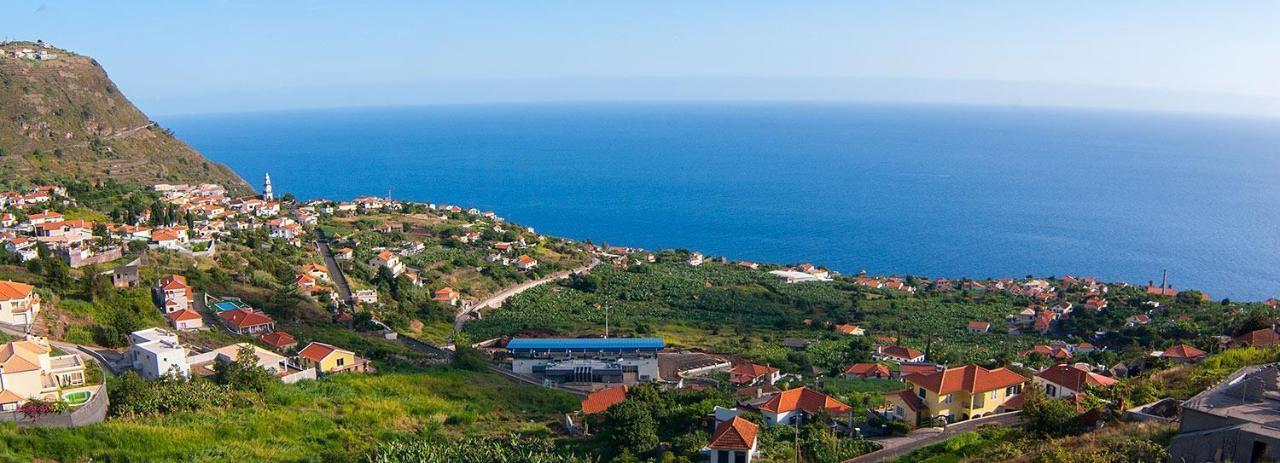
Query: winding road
[(895, 447)]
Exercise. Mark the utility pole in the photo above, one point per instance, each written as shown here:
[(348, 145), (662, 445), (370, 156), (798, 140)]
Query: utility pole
[(796, 426), (606, 321)]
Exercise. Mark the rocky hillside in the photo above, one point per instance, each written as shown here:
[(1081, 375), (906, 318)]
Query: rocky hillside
[(61, 116)]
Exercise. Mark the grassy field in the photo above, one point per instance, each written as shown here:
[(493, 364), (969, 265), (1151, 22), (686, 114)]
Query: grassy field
[(339, 418)]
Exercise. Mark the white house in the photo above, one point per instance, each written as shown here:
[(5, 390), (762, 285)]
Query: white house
[(155, 352), (1064, 380), (524, 262), (19, 303), (734, 441)]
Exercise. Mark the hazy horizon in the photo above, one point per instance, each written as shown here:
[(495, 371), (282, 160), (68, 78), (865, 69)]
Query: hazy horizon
[(237, 55)]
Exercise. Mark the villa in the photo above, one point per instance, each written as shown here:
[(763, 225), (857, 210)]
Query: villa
[(155, 352), (955, 394), (173, 294), (867, 370), (794, 406), (27, 371), (446, 295), (276, 364), (326, 358), (750, 374), (1064, 380), (19, 303), (246, 321)]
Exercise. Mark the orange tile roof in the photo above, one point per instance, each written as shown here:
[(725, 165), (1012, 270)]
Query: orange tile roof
[(13, 290), (241, 318), (184, 315), (913, 401), (907, 369), (173, 282), (901, 352), (601, 400), (8, 397), (803, 398), (317, 351), (1073, 378), (526, 260), (867, 370), (20, 356), (744, 373), (847, 328), (735, 434), (970, 378), (1184, 351), (279, 339)]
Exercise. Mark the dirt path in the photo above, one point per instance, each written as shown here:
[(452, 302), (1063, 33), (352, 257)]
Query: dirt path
[(497, 299)]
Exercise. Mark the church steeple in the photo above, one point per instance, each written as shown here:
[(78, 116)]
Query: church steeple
[(266, 189)]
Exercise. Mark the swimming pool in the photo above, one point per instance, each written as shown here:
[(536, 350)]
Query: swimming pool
[(77, 398), (228, 304)]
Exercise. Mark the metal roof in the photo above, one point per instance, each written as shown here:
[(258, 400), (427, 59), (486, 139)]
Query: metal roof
[(585, 344)]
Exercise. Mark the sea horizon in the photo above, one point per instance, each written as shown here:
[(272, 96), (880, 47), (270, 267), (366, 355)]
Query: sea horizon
[(930, 165)]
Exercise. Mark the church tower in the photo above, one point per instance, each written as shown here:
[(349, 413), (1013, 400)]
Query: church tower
[(266, 189)]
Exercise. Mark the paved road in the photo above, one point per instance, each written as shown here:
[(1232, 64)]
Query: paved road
[(97, 354), (335, 272), (497, 299), (895, 447)]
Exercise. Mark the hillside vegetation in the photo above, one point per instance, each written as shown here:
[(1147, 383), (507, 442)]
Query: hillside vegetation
[(64, 118)]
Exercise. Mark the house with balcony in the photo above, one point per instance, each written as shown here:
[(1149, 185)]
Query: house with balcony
[(28, 371), (19, 303), (155, 352), (954, 394)]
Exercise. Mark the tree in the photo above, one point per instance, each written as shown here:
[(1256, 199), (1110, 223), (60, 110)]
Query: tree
[(1047, 416), (629, 426), (243, 373), (469, 358)]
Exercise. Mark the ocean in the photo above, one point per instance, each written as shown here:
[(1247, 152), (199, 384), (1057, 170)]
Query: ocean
[(891, 189)]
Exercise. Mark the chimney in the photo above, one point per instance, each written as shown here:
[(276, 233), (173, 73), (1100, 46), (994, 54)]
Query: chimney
[(1164, 278)]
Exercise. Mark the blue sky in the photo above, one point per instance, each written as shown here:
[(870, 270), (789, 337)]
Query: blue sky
[(219, 56)]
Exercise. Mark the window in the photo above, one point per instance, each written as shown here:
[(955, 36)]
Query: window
[(1050, 390), (901, 411), (920, 393), (341, 361), (948, 398), (740, 457), (994, 395), (722, 456)]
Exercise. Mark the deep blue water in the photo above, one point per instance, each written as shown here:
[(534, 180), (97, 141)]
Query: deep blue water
[(938, 191)]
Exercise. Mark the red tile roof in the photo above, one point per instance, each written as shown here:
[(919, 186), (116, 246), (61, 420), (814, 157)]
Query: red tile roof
[(803, 398), (744, 373), (901, 352), (184, 315), (847, 328), (241, 318), (279, 339), (601, 400), (979, 326), (735, 434), (916, 369), (913, 401), (1183, 351), (316, 351), (970, 378), (14, 290), (867, 370), (1073, 378)]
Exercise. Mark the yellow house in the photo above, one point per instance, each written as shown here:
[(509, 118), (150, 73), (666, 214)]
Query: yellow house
[(329, 359), (955, 394)]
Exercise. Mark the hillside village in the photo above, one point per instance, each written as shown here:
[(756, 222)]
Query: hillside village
[(183, 284)]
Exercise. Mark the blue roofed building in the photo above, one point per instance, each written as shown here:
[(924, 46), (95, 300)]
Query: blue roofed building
[(587, 360)]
